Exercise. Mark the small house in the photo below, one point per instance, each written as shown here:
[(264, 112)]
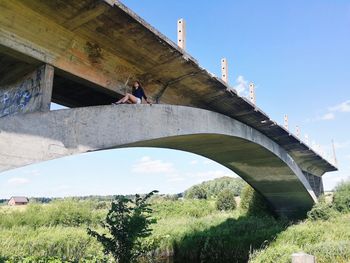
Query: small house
[(18, 200)]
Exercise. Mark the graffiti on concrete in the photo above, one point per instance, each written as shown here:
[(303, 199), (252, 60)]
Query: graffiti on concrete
[(23, 96)]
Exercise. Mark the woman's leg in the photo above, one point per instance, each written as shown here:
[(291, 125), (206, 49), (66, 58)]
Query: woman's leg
[(127, 98)]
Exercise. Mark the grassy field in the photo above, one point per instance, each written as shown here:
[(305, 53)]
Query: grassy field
[(187, 230)]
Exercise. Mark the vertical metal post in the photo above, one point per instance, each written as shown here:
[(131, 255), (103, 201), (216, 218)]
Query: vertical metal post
[(181, 33)]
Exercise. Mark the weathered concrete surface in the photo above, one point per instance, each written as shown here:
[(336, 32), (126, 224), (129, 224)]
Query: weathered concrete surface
[(97, 45), (36, 137), (31, 93)]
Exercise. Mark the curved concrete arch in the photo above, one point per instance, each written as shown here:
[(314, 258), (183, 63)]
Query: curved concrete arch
[(35, 137)]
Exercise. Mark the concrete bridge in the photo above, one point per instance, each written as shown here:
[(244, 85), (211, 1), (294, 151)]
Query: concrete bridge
[(81, 53)]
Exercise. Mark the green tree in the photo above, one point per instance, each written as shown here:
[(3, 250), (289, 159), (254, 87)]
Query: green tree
[(127, 222), (196, 192), (226, 200), (253, 202)]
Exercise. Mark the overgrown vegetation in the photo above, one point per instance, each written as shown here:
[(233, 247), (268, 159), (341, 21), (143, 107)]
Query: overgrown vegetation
[(325, 234), (188, 230)]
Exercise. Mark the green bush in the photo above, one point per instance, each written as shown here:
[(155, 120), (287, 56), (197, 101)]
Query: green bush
[(321, 211), (226, 200), (341, 198), (253, 202)]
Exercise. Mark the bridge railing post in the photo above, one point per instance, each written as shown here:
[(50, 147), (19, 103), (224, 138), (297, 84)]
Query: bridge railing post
[(252, 95), (286, 122), (181, 33), (224, 70)]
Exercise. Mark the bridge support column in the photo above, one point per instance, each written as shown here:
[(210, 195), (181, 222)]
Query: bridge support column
[(29, 93), (316, 183)]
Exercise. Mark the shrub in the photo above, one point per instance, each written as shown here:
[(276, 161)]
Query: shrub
[(341, 198), (253, 202), (226, 200), (127, 222)]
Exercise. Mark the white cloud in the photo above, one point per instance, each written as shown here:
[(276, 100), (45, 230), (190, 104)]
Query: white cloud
[(328, 116), (241, 86), (18, 181), (193, 162), (331, 114), (147, 165), (342, 107)]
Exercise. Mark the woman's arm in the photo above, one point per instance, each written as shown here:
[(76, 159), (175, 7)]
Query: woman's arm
[(145, 97)]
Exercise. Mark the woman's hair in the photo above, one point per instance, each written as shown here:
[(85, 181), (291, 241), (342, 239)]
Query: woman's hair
[(138, 82)]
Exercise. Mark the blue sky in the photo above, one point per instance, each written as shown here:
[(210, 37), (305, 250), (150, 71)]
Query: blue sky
[(296, 52)]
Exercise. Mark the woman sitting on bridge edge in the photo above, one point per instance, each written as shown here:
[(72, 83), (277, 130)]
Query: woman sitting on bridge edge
[(136, 97)]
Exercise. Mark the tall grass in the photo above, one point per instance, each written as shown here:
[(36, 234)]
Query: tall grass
[(328, 240), (65, 243), (63, 213), (326, 234)]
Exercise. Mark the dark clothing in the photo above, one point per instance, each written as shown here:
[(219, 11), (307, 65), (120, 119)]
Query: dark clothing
[(139, 93)]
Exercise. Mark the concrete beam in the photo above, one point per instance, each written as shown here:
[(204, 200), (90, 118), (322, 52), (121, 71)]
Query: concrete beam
[(36, 137)]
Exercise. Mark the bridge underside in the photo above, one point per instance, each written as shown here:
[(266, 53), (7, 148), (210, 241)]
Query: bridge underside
[(36, 137), (95, 46)]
